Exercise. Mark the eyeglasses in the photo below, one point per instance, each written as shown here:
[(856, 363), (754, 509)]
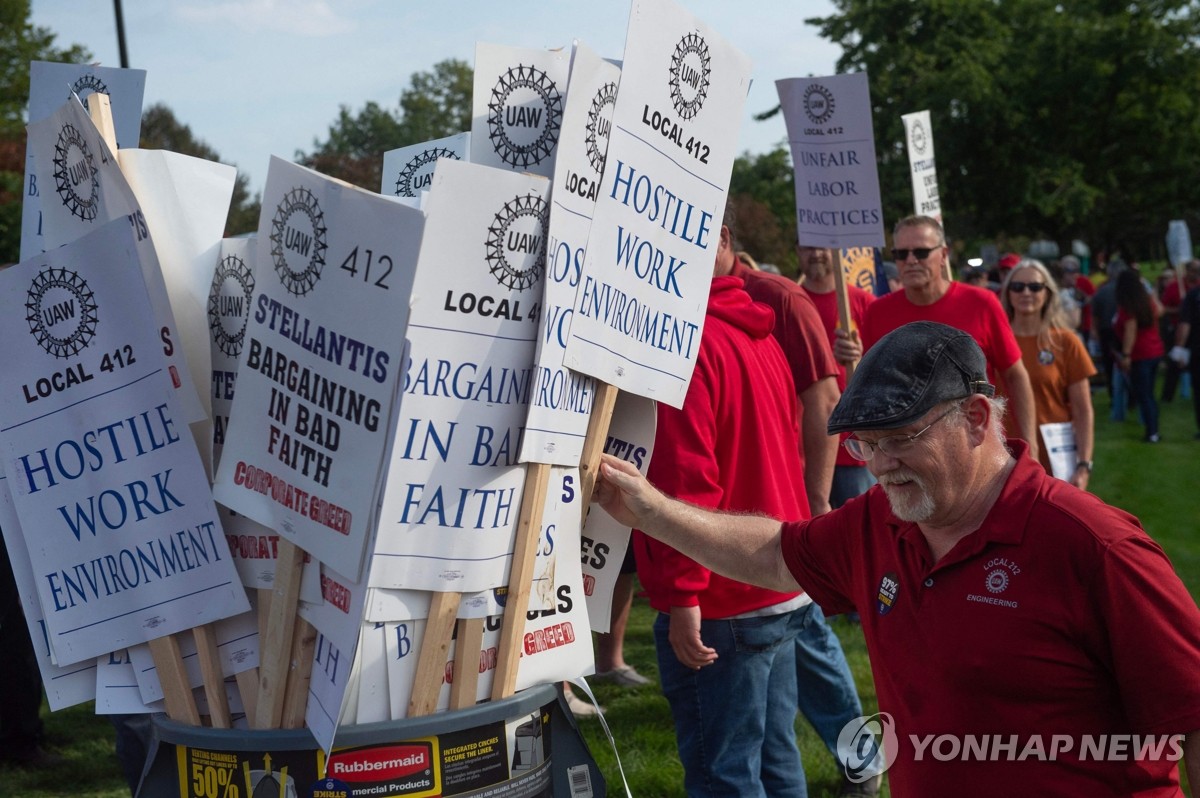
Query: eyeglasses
[(892, 445), (920, 253), (1017, 287)]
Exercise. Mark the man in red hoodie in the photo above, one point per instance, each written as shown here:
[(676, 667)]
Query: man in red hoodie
[(726, 653)]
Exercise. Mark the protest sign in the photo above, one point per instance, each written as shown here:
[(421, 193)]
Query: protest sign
[(604, 541), (408, 171), (644, 286), (517, 107), (918, 132), (237, 649), (106, 481), (50, 84), (330, 690), (320, 362), (562, 399), (116, 688), (1179, 243), (90, 191), (65, 687), (454, 485), (185, 202), (833, 155), (858, 265)]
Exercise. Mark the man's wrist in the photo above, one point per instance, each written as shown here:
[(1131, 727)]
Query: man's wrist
[(1084, 464)]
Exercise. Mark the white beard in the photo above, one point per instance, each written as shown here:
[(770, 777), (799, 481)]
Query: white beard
[(914, 509)]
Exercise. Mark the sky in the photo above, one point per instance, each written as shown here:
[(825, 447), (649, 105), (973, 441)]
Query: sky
[(255, 78)]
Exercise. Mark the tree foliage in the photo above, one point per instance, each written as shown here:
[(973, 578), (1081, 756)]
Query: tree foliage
[(762, 193), (1056, 119), (435, 104), (162, 131), (20, 43)]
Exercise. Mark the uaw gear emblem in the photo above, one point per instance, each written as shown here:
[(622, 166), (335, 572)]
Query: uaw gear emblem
[(889, 591), (691, 68), (229, 304), (599, 125), (818, 104), (516, 242), (918, 137), (75, 174), (87, 86), (524, 116), (417, 174), (61, 311), (298, 241)]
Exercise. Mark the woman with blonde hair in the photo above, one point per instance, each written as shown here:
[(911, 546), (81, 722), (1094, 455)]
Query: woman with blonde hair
[(1057, 361)]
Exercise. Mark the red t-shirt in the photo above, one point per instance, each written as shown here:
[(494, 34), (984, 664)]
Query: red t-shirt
[(827, 308), (733, 446), (975, 311), (1147, 345), (1086, 287), (1059, 616)]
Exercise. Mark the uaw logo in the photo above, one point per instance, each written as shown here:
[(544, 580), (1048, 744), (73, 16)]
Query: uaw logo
[(61, 311), (298, 241), (818, 104), (516, 242), (86, 86), (691, 68), (889, 590), (1000, 570), (524, 116), (229, 304), (599, 125), (417, 174), (75, 174), (918, 138)]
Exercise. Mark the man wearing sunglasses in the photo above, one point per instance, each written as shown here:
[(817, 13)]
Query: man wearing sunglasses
[(921, 256), (1006, 613)]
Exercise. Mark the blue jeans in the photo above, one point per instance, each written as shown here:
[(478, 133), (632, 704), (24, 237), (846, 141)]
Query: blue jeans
[(826, 694), (1141, 378), (848, 482), (735, 718)]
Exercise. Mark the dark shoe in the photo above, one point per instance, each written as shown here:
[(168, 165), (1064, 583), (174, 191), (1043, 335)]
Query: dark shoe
[(32, 758), (865, 789)]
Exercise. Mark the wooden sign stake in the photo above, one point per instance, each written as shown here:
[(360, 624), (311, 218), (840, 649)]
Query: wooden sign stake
[(843, 300)]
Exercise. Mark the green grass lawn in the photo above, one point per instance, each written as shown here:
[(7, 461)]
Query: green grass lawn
[(1157, 483)]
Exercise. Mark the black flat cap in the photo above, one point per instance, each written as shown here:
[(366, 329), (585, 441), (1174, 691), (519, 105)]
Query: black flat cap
[(906, 374)]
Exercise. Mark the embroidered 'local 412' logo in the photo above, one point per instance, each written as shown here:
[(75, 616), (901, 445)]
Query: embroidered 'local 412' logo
[(298, 241), (75, 174), (524, 116), (417, 174), (229, 304), (61, 312)]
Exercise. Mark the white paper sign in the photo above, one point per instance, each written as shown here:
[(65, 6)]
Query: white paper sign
[(106, 480), (50, 84), (604, 542), (562, 399), (320, 363), (116, 688), (90, 191), (517, 107), (237, 651), (1179, 242), (1059, 439), (408, 171), (918, 132), (454, 484), (327, 691), (833, 154), (640, 306), (65, 687), (185, 201), (373, 702)]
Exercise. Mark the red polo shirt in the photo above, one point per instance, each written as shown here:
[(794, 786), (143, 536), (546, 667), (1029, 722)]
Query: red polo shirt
[(1059, 616)]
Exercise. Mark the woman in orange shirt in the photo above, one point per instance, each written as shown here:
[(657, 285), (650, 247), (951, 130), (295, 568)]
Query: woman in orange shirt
[(1057, 361)]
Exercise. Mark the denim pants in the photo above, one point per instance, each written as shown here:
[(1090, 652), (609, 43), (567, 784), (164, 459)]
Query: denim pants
[(1141, 378), (848, 482), (825, 689), (735, 718)]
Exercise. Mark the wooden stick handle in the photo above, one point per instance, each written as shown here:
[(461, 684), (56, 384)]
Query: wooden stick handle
[(214, 679), (181, 704), (843, 299), (431, 662), (276, 648)]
